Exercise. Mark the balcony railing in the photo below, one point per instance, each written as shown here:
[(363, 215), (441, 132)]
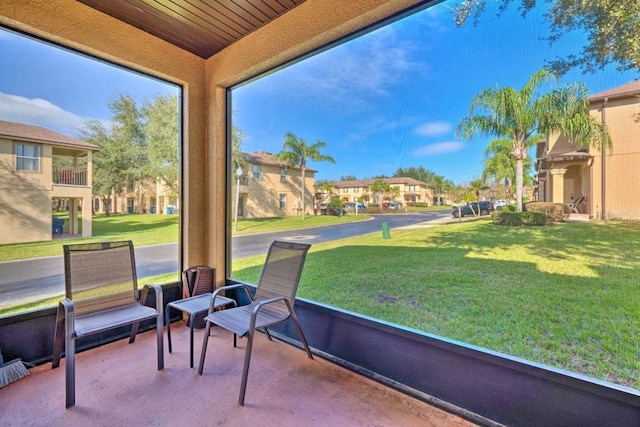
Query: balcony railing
[(70, 176)]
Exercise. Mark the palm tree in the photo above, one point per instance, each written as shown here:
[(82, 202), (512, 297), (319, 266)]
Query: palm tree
[(476, 186), (524, 118), (296, 152), (439, 183), (380, 187)]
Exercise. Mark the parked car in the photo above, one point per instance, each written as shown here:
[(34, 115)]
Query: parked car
[(484, 208), (395, 205), (352, 205), (334, 210), (498, 204)]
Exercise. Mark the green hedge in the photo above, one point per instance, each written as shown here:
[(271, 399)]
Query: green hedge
[(555, 212), (519, 218)]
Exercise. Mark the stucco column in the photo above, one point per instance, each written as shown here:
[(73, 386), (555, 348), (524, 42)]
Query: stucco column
[(73, 215), (557, 185)]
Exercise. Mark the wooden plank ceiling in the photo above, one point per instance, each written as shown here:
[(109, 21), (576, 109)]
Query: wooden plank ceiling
[(202, 27)]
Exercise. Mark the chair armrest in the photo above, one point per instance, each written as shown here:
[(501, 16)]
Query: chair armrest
[(159, 296), (226, 288), (67, 306), (258, 306)]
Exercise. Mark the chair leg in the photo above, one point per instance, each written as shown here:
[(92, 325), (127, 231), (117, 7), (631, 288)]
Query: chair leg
[(192, 320), (160, 339), (207, 329), (266, 331), (58, 337), (245, 369), (70, 364), (302, 337), (167, 320)]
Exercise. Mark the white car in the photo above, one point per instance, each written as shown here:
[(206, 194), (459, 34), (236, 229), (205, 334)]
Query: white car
[(499, 203)]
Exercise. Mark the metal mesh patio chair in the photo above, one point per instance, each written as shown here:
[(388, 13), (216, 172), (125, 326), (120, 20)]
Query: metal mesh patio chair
[(198, 284), (574, 204), (101, 290), (272, 304)]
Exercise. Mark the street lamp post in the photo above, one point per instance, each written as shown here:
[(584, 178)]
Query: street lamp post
[(238, 174)]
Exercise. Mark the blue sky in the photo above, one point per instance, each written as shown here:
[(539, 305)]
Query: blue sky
[(390, 99)]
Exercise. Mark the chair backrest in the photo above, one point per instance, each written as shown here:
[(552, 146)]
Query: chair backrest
[(577, 202), (100, 276), (282, 269), (198, 280)]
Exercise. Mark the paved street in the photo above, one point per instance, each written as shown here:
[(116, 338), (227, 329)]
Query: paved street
[(41, 277)]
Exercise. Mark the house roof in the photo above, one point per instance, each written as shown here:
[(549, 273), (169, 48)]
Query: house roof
[(628, 89), (367, 182), (202, 28), (266, 158), (30, 133)]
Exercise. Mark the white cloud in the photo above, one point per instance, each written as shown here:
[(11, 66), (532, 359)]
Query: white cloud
[(438, 148), (433, 129), (39, 112), (351, 76)]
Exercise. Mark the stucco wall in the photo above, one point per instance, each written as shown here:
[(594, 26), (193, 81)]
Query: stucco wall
[(622, 164), (25, 197)]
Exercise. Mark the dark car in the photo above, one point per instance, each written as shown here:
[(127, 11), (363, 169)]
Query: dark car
[(334, 210), (485, 208)]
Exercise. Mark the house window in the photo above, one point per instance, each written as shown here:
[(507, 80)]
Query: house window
[(345, 190), (283, 175), (28, 157), (130, 187), (256, 170), (283, 201), (356, 190), (412, 188)]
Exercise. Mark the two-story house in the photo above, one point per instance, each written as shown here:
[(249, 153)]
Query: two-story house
[(38, 166), (269, 187), (405, 190), (607, 182), (147, 196)]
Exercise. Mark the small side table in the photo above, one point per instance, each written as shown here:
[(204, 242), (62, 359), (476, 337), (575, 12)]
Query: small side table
[(192, 306)]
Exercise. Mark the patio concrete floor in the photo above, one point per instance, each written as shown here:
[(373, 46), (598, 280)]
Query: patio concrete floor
[(118, 385)]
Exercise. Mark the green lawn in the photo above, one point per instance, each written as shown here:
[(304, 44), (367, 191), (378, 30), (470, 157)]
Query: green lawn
[(264, 225), (149, 229), (565, 295)]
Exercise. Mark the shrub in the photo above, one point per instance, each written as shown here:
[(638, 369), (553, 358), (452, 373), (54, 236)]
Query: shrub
[(555, 212), (518, 218)]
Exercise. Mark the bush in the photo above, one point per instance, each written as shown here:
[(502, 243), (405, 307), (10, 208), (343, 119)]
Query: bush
[(555, 212), (519, 218)]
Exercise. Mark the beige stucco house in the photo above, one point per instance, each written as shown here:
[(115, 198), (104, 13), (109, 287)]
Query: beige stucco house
[(269, 187), (147, 196), (608, 183), (31, 179), (408, 191)]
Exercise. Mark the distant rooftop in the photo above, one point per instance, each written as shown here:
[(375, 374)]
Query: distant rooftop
[(30, 133), (266, 158), (367, 182), (622, 91)]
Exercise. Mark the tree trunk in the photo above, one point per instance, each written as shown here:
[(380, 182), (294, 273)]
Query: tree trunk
[(519, 184), (303, 186)]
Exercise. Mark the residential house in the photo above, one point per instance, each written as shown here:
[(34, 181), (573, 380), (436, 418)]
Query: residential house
[(147, 196), (407, 191), (270, 187), (566, 172), (40, 168)]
